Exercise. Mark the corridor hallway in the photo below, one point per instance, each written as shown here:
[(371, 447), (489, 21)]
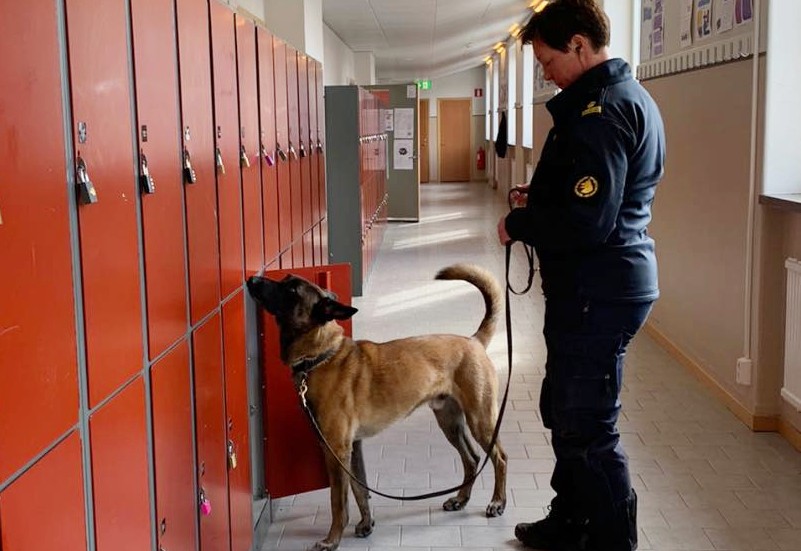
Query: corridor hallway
[(705, 481)]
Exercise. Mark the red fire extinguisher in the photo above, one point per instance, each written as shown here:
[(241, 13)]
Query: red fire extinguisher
[(481, 159)]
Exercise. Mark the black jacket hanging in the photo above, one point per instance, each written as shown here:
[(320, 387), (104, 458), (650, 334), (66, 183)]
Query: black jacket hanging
[(501, 142)]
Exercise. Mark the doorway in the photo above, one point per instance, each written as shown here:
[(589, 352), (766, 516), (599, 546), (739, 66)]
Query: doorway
[(454, 131)]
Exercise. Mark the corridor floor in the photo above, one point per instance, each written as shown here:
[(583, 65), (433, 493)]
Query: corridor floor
[(704, 480)]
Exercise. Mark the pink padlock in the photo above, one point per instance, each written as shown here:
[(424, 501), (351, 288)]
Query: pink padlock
[(205, 507)]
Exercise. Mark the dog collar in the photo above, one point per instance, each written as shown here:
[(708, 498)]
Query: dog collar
[(305, 366)]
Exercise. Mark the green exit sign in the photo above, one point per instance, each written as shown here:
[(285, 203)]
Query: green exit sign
[(424, 84)]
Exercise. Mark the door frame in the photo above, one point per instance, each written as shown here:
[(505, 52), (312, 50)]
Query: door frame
[(440, 101)]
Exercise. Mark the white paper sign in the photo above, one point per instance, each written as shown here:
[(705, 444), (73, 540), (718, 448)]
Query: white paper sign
[(404, 122), (686, 25), (403, 154), (411, 91), (389, 120), (724, 15)]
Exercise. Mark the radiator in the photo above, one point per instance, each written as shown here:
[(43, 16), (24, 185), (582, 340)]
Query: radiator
[(791, 391)]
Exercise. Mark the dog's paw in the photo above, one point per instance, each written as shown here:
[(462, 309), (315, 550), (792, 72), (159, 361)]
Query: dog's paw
[(496, 508), (323, 545), (365, 528), (455, 504)]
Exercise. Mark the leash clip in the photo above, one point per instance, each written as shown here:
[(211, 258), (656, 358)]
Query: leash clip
[(303, 390)]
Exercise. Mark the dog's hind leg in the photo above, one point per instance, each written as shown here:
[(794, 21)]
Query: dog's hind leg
[(365, 527), (450, 419), (482, 425), (339, 500)]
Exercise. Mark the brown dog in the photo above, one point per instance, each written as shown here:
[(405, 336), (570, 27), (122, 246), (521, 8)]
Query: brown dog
[(358, 388)]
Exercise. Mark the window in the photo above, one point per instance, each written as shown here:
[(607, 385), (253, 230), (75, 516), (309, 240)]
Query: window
[(528, 96), (487, 103), (496, 94), (511, 93)]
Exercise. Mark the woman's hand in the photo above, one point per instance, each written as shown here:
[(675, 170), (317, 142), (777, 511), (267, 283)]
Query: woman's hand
[(519, 195), (503, 237)]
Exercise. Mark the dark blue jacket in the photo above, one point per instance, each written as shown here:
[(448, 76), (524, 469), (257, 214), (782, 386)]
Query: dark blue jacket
[(590, 198)]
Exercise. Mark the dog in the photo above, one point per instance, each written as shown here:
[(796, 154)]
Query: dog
[(358, 388)]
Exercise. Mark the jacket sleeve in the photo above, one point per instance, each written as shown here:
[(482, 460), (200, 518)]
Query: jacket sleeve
[(586, 191)]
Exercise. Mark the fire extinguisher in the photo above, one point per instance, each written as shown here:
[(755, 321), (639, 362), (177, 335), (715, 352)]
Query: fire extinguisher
[(481, 159)]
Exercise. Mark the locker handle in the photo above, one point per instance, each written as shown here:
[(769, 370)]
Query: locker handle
[(190, 177), (302, 149), (292, 151), (146, 182), (267, 157), (219, 160), (86, 189), (243, 158), (319, 147), (280, 152)]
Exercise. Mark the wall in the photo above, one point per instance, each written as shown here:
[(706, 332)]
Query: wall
[(339, 68), (458, 85)]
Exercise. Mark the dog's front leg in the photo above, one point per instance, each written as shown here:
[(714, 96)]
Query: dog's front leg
[(339, 501), (365, 527)]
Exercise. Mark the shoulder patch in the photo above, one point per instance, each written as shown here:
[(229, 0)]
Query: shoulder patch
[(592, 109), (586, 187)]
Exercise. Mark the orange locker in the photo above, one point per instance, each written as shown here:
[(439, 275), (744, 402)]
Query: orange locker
[(210, 427), (159, 138), (119, 472), (321, 164), (269, 170), (176, 500), (98, 55), (313, 152), (37, 383), (305, 159), (29, 518), (249, 145), (227, 152), (295, 182), (237, 408), (282, 152), (300, 467), (198, 164)]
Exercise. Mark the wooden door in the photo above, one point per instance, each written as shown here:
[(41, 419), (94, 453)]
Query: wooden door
[(423, 153), (454, 139)]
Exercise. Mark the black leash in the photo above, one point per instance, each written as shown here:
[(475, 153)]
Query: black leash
[(303, 389), (529, 250)]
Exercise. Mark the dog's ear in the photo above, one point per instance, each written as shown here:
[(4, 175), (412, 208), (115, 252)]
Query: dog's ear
[(264, 291), (328, 309)]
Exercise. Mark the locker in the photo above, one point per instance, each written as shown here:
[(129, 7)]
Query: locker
[(98, 55), (305, 158), (249, 145), (227, 152), (299, 467), (31, 497), (282, 152), (313, 151), (236, 404), (269, 171), (37, 383), (295, 182), (321, 164), (173, 455), (198, 151), (159, 135), (119, 472), (210, 427)]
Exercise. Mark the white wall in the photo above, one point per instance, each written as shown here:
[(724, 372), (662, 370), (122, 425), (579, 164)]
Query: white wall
[(339, 66), (255, 7), (313, 20)]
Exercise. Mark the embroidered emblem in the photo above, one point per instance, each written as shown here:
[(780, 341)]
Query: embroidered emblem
[(586, 187), (592, 109)]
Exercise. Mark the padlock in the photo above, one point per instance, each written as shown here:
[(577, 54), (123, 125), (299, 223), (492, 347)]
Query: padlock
[(302, 149), (231, 456), (146, 183), (219, 160), (86, 189), (189, 173), (267, 157), (292, 151), (319, 146), (243, 158), (280, 152), (205, 504)]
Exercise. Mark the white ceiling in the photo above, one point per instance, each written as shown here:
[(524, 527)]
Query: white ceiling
[(413, 39)]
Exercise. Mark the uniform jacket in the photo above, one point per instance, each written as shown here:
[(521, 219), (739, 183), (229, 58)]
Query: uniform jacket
[(589, 203)]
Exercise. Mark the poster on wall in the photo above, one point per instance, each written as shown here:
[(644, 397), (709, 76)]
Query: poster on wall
[(646, 29), (403, 154), (658, 32), (703, 19), (724, 15), (389, 119), (404, 122), (686, 25), (743, 11)]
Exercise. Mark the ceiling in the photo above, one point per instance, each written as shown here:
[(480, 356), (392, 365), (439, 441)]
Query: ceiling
[(424, 39)]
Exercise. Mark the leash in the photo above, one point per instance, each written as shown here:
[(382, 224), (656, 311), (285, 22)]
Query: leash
[(303, 388), (528, 249)]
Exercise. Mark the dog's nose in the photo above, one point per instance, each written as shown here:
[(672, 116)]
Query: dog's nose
[(254, 282)]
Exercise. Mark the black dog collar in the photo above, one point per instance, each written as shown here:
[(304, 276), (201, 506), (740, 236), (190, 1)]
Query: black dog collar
[(305, 366)]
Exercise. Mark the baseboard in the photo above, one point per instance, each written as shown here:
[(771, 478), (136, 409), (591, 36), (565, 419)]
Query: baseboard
[(757, 423), (403, 219), (790, 433)]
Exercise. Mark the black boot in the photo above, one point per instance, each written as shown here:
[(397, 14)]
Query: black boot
[(616, 532), (559, 531)]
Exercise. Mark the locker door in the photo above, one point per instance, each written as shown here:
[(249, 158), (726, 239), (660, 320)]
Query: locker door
[(198, 149), (294, 458), (159, 134), (295, 182), (269, 171), (98, 54), (282, 151), (313, 153), (29, 521), (210, 423), (227, 153), (37, 383), (321, 164), (176, 501), (119, 472), (305, 159), (236, 405), (249, 145)]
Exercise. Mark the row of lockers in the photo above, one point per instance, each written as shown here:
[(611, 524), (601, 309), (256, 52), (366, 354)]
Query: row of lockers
[(156, 153)]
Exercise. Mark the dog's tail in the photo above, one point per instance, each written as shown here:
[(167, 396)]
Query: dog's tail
[(490, 289)]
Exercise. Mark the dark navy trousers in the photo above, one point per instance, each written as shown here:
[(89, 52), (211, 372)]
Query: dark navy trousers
[(580, 404)]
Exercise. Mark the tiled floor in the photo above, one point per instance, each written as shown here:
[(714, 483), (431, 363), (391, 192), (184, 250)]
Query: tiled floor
[(704, 480)]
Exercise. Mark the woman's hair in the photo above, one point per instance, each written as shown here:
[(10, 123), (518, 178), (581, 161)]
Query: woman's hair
[(560, 20)]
